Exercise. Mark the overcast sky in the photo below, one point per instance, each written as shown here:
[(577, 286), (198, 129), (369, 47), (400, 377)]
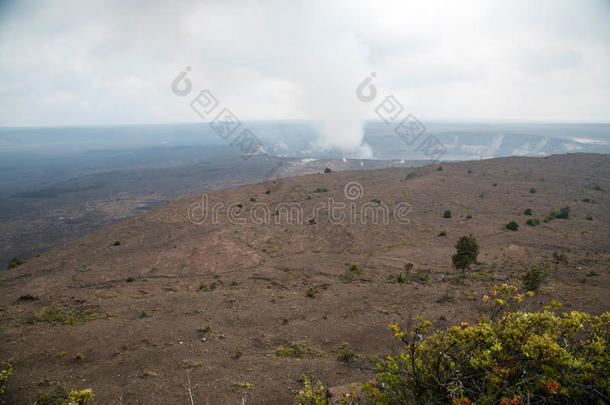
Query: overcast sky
[(89, 62)]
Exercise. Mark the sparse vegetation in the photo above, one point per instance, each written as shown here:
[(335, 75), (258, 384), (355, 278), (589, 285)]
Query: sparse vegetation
[(311, 221), (15, 262), (327, 170), (533, 222), (589, 217), (528, 211), (130, 280), (442, 233), (595, 186), (351, 273), (313, 393), (447, 214), (346, 353), (62, 396), (298, 350), (512, 226), (440, 168), (468, 216), (321, 190), (204, 287), (467, 251), (6, 370), (64, 316), (560, 257), (533, 190), (117, 243), (311, 292), (268, 192), (564, 213), (534, 277)]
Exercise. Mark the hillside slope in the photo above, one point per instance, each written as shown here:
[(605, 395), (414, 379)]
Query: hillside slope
[(279, 284)]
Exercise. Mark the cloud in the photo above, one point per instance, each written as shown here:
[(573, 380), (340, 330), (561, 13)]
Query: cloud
[(64, 62)]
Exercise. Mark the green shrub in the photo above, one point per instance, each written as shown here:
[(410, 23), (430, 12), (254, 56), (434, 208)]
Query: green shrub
[(61, 396), (351, 273), (442, 233), (512, 226), (532, 190), (468, 216), (534, 277), (117, 243), (64, 316), (560, 257), (514, 358), (6, 370), (467, 251), (204, 287), (528, 211), (440, 168), (312, 393), (311, 221), (268, 192), (320, 190), (447, 214), (311, 292), (532, 221), (589, 217), (564, 213), (327, 170), (346, 353), (15, 262)]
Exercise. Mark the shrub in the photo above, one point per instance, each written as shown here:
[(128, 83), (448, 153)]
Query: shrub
[(204, 287), (117, 243), (351, 273), (442, 233), (467, 251), (512, 226), (346, 353), (15, 262), (327, 170), (312, 393), (63, 316), (589, 217), (533, 221), (320, 190), (61, 396), (533, 190), (534, 277), (587, 200), (468, 216), (268, 192), (6, 370), (447, 214), (440, 168), (252, 199), (564, 213), (311, 221), (560, 257), (528, 211), (537, 357), (311, 292)]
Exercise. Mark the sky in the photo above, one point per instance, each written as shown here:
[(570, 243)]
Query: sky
[(113, 62)]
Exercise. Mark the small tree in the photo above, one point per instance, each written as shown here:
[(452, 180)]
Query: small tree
[(467, 250)]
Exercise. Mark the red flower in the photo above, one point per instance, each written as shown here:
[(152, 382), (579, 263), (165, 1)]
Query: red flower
[(551, 386)]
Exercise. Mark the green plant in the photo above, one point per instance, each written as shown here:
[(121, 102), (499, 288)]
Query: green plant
[(61, 396), (312, 393), (252, 199), (468, 216), (311, 292), (298, 350), (130, 279), (512, 226), (268, 192), (15, 262), (564, 213), (534, 277), (351, 273), (532, 190), (311, 221), (587, 200), (117, 243), (528, 211), (440, 168), (327, 170), (320, 190), (532, 221), (589, 217), (467, 251), (64, 316), (6, 370), (447, 214), (346, 353), (560, 257), (538, 357), (204, 287), (469, 171), (442, 233)]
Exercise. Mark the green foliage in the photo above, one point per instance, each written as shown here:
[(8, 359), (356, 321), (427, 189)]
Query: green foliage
[(320, 190), (516, 358), (204, 287), (351, 273), (252, 199), (440, 168), (311, 221), (528, 211), (346, 353), (327, 170), (533, 190), (468, 216), (467, 251), (130, 280), (560, 257), (298, 350), (61, 396), (589, 217), (312, 393), (447, 214), (6, 370), (533, 222), (268, 192), (117, 243), (564, 213), (512, 226), (15, 262), (64, 316), (534, 277), (442, 233), (311, 292)]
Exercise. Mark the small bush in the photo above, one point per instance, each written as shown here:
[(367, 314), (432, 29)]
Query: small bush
[(327, 170), (560, 257), (268, 192), (311, 292), (442, 233), (587, 200), (312, 393), (117, 243), (512, 226), (528, 211), (589, 217), (440, 168), (204, 287), (252, 199), (351, 273), (447, 214), (534, 277), (298, 350), (6, 370), (61, 396), (311, 221), (533, 222), (346, 353), (467, 251), (63, 316), (15, 262), (532, 190), (320, 190), (468, 216)]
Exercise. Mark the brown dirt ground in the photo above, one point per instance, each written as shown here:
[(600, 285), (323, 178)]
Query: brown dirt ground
[(260, 275)]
